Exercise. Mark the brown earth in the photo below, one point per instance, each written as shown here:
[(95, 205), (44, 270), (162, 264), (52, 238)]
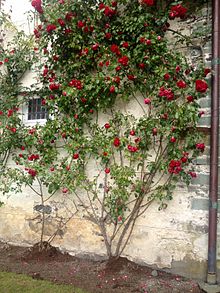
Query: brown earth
[(94, 276)]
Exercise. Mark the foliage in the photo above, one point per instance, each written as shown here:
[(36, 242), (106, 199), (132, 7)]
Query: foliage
[(94, 57), (16, 58)]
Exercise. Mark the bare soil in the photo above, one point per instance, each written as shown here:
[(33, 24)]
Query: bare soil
[(116, 276)]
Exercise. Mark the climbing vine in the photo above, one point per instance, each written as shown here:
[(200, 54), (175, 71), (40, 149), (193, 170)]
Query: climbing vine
[(123, 110)]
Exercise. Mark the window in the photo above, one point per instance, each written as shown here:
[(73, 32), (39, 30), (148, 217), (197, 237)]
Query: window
[(34, 112)]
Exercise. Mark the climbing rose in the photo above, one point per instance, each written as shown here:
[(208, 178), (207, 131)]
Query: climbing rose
[(177, 11), (75, 156), (168, 93), (148, 2), (166, 76), (207, 71), (174, 167), (181, 84), (190, 99), (115, 49), (201, 86), (116, 142), (51, 27), (101, 6), (200, 146), (61, 22), (109, 12), (147, 101), (32, 172), (37, 5), (172, 139), (193, 174), (54, 86), (132, 149), (76, 83), (107, 125), (125, 45), (112, 89)]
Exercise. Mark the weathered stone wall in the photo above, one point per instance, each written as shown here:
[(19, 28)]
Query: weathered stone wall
[(174, 239)]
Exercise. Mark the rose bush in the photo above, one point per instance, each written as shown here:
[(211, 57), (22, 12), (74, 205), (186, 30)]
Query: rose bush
[(93, 56)]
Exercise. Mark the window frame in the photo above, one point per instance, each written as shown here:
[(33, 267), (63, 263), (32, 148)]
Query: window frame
[(25, 114)]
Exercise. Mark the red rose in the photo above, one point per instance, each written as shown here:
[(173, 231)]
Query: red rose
[(184, 159), (207, 71), (61, 22), (147, 101), (200, 146), (168, 93), (37, 5), (141, 65), (166, 76), (132, 149), (148, 2), (95, 47), (115, 49), (116, 142), (174, 167), (181, 84), (107, 170), (193, 174), (108, 36), (117, 79), (69, 16), (13, 129), (112, 89), (132, 132), (178, 68), (65, 190), (75, 156), (51, 27), (177, 11), (107, 125), (118, 68), (172, 139), (10, 112), (131, 77), (123, 60), (125, 45), (109, 12), (101, 6), (32, 172), (190, 99), (80, 24), (201, 86), (54, 86)]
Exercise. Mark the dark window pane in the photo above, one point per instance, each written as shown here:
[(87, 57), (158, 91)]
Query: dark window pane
[(35, 110)]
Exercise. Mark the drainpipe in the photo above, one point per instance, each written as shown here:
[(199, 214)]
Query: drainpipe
[(213, 183)]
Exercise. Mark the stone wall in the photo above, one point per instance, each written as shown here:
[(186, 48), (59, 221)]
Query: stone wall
[(174, 239)]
